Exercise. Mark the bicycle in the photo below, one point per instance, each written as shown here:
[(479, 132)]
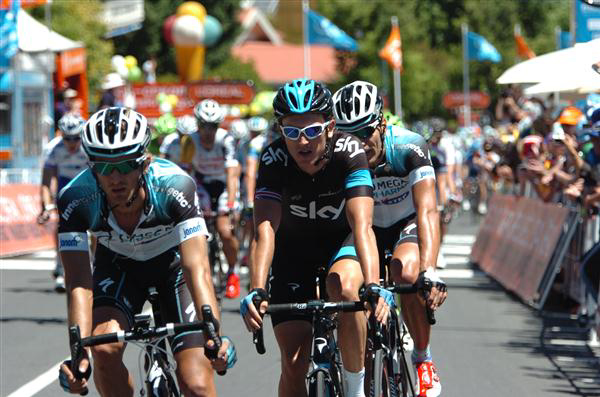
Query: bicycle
[(159, 380), (325, 378)]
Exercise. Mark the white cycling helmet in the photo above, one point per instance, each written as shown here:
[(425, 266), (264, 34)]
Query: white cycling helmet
[(186, 125), (239, 130), (209, 111), (115, 132), (356, 105), (71, 125), (258, 124)]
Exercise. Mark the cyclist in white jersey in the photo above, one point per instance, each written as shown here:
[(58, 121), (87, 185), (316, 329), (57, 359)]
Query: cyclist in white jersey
[(170, 147), (406, 220), (64, 158), (150, 233), (209, 154)]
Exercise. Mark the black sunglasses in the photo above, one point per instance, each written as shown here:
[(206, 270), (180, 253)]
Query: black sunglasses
[(71, 138)]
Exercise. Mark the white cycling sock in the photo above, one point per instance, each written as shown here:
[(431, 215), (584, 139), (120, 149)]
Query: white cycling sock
[(355, 383)]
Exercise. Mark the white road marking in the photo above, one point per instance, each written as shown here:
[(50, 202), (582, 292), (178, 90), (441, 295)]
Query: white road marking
[(459, 239), (451, 249), (22, 264), (459, 273), (34, 386), (456, 260), (568, 342)]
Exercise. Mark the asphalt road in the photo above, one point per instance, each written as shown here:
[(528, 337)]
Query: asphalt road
[(486, 342)]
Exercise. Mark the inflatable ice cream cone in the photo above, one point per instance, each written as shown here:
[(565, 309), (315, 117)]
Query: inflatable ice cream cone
[(188, 37), (190, 62)]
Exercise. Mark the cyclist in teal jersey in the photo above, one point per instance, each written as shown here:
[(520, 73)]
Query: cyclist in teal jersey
[(406, 220), (150, 232)]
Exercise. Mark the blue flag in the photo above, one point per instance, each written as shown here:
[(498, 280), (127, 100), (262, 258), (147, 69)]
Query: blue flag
[(322, 31), (8, 31), (481, 50)]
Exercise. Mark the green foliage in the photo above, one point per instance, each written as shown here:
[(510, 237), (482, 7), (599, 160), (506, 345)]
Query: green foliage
[(432, 43), (78, 20), (234, 69)]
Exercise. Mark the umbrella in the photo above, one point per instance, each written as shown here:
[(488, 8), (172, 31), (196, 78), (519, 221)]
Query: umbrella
[(569, 69)]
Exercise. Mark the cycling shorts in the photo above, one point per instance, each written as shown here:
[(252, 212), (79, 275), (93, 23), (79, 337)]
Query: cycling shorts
[(217, 194), (123, 284), (294, 273), (403, 231)]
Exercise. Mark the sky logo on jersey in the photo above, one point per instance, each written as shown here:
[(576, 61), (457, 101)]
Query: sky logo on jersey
[(270, 156), (350, 145), (311, 212)]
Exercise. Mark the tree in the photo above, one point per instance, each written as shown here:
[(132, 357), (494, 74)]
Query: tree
[(88, 28)]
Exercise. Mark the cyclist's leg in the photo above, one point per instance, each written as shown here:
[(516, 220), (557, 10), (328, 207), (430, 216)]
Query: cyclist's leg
[(343, 283), (404, 268), (226, 232), (294, 340), (116, 298), (194, 373), (292, 281)]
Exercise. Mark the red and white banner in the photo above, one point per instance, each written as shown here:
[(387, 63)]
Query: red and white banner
[(19, 230)]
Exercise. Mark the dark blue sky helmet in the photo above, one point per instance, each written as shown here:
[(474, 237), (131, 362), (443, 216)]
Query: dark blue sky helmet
[(303, 96)]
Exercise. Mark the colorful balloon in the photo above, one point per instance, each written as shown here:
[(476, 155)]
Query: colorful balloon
[(168, 29), (212, 30), (135, 74), (192, 8), (116, 62), (172, 99), (130, 61), (188, 31)]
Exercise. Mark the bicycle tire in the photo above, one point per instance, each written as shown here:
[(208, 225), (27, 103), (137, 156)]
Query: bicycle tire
[(316, 385), (336, 373), (382, 382)]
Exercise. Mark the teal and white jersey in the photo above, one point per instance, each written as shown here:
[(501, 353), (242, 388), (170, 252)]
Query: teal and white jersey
[(407, 162), (171, 214)]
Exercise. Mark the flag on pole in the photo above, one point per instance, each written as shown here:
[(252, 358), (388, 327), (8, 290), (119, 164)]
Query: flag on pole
[(480, 49), (322, 31), (392, 50), (8, 31), (523, 49)]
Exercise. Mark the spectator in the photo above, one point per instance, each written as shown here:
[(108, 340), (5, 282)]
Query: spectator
[(110, 82)]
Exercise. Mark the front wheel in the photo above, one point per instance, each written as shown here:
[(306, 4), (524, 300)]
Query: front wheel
[(381, 380)]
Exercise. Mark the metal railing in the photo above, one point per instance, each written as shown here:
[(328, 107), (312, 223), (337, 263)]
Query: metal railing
[(20, 175)]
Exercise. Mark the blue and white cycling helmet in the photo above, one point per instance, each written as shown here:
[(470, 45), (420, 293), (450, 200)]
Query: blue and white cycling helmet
[(186, 125), (208, 111), (356, 106), (239, 129), (116, 132), (257, 124), (71, 125), (303, 96)]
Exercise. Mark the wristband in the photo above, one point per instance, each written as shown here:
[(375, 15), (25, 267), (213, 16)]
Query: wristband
[(49, 207)]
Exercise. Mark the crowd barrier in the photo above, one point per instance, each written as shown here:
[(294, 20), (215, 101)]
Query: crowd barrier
[(19, 230), (522, 242)]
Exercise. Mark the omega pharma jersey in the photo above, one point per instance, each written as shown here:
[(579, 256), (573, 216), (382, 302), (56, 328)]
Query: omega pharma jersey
[(314, 202), (171, 215), (66, 164), (407, 162), (210, 164)]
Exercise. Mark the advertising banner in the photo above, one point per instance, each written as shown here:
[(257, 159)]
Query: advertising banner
[(19, 230), (516, 242)]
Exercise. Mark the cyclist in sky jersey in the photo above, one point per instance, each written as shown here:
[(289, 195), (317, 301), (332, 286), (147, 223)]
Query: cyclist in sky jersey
[(313, 208), (406, 220), (144, 214)]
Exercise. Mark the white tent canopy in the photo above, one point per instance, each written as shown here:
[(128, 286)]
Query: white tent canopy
[(564, 70), (36, 37)]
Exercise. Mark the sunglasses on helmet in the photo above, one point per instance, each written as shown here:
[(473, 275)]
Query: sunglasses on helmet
[(311, 131), (123, 167)]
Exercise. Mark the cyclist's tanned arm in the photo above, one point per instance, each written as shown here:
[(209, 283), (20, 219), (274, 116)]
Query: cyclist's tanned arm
[(428, 227), (196, 270), (359, 211), (78, 281), (267, 215)]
